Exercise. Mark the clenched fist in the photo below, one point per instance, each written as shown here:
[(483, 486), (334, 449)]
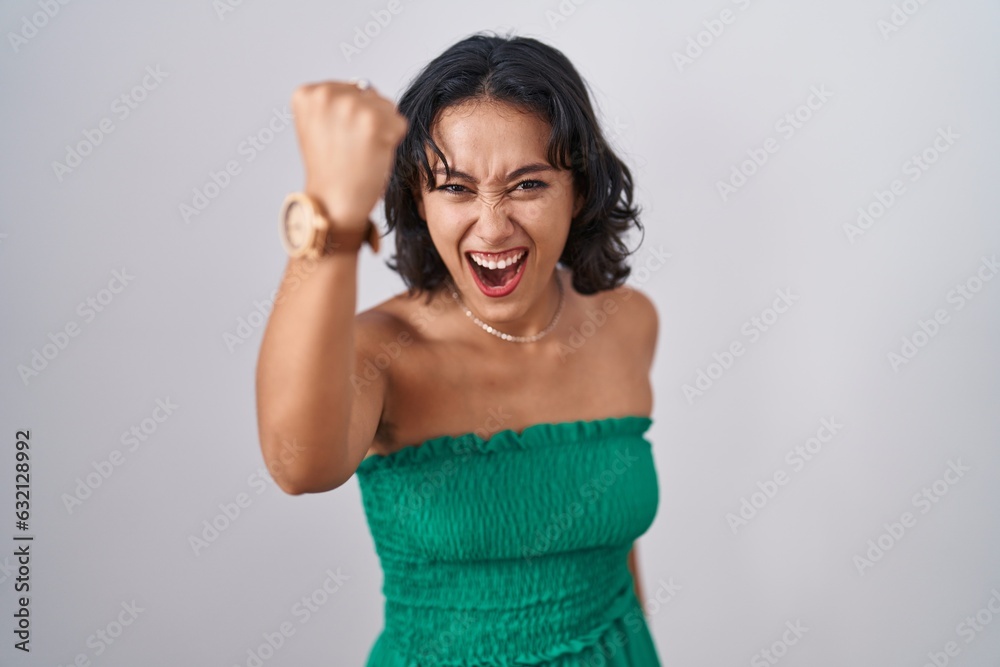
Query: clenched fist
[(348, 138)]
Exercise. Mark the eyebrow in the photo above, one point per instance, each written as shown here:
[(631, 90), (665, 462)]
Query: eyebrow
[(520, 171)]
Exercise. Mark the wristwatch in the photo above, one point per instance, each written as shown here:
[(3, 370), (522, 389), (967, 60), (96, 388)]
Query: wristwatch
[(307, 231)]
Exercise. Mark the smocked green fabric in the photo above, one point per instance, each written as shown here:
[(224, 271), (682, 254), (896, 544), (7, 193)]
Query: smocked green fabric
[(513, 550)]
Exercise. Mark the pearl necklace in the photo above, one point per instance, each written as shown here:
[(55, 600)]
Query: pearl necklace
[(515, 339)]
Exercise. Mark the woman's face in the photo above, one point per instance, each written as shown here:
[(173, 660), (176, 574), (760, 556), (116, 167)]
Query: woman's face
[(504, 206)]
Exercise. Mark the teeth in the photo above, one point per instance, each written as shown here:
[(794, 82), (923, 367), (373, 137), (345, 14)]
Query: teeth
[(493, 263)]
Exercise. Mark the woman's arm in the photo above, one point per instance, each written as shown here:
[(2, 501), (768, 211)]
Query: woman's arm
[(643, 325), (313, 428)]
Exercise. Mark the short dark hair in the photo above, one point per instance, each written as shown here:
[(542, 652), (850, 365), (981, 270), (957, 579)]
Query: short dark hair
[(534, 77)]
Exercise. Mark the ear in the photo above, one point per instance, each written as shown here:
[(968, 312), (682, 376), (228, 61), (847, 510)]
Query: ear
[(578, 205)]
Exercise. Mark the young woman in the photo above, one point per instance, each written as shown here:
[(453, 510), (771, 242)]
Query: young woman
[(494, 412)]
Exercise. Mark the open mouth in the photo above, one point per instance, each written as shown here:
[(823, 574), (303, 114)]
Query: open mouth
[(497, 274)]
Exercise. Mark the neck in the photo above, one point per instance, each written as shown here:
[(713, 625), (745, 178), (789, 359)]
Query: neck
[(538, 318)]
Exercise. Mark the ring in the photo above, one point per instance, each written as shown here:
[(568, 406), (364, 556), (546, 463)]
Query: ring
[(362, 84)]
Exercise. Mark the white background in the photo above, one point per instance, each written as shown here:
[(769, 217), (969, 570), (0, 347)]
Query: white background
[(682, 128)]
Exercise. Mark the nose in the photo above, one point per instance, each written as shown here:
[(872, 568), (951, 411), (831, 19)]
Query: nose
[(494, 225)]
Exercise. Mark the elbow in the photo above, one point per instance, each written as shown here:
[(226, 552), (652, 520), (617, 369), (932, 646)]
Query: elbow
[(299, 465), (302, 486), (303, 474), (290, 487)]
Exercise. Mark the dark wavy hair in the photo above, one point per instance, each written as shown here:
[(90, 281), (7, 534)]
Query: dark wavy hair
[(536, 78)]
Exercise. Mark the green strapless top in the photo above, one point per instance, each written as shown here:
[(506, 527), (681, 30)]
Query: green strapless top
[(513, 550)]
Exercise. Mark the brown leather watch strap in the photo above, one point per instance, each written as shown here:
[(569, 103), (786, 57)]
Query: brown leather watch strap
[(341, 241)]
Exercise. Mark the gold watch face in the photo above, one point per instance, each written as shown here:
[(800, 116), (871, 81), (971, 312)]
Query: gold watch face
[(304, 227), (298, 229)]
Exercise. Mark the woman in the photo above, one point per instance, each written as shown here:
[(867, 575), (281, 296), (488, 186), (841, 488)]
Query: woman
[(494, 412)]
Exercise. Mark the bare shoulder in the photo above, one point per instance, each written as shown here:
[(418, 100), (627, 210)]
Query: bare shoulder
[(638, 312), (385, 323), (638, 320), (641, 309)]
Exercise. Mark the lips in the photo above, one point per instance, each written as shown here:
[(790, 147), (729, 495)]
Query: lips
[(497, 273)]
